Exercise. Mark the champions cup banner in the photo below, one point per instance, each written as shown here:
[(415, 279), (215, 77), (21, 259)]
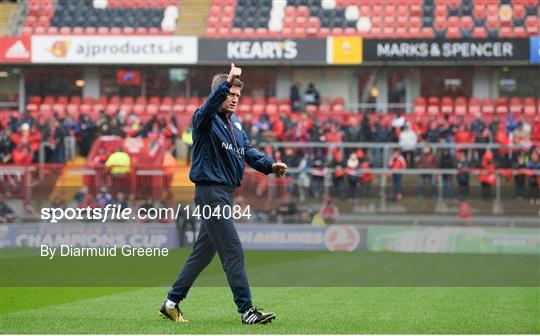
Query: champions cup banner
[(262, 51), (270, 237), (88, 235), (459, 50), (80, 49), (453, 239)]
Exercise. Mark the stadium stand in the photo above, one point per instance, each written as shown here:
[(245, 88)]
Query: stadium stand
[(374, 18), (100, 17)]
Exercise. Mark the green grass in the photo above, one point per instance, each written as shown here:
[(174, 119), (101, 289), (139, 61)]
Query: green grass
[(311, 292), (25, 268), (299, 310)]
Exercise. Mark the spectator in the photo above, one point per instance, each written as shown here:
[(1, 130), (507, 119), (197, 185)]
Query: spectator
[(427, 160), (502, 139), (27, 140), (447, 162), (534, 164), (100, 158), (407, 141), (187, 138), (294, 97), (22, 155), (495, 125), (303, 177), (397, 162), (535, 132), (59, 202), (463, 136), (83, 198), (398, 122), (312, 96), (482, 138), (520, 176), (318, 173), (366, 134), (522, 135), (119, 162), (103, 198), (56, 141), (432, 134), (447, 130), (6, 146), (487, 178), (330, 212), (87, 128), (511, 123), (462, 176), (478, 125), (72, 128), (121, 200), (352, 177), (366, 178), (6, 213), (338, 179)]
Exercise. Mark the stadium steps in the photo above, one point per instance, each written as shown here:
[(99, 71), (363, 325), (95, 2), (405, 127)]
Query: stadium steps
[(6, 10), (69, 181), (182, 187), (193, 17)]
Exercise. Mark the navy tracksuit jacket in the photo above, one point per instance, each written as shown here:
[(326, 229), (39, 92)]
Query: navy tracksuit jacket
[(220, 150), (221, 147)]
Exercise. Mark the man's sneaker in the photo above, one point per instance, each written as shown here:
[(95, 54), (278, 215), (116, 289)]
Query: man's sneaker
[(174, 314), (257, 316)]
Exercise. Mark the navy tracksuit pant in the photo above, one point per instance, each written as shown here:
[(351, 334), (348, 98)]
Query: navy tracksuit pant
[(215, 235)]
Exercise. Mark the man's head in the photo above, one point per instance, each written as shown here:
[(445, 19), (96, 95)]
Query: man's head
[(229, 105)]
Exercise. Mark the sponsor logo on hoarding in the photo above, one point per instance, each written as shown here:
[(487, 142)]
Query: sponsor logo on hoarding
[(341, 238), (535, 50), (262, 49), (443, 50), (60, 48), (114, 49), (301, 51), (15, 49), (344, 50)]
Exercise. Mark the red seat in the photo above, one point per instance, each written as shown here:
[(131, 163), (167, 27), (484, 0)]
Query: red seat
[(519, 32), (479, 32), (506, 32), (488, 106), (433, 110), (453, 33), (531, 25)]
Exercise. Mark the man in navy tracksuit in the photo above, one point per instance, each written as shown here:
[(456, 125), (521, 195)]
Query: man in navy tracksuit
[(220, 150)]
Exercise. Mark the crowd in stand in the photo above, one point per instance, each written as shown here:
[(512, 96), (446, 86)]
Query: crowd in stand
[(21, 138), (64, 137)]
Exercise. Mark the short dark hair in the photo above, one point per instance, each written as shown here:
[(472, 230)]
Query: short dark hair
[(218, 79)]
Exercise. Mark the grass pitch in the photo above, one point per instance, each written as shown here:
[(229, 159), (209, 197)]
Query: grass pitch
[(299, 310), (311, 292)]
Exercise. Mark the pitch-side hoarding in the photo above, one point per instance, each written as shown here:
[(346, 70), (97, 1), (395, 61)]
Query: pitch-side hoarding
[(79, 49)]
